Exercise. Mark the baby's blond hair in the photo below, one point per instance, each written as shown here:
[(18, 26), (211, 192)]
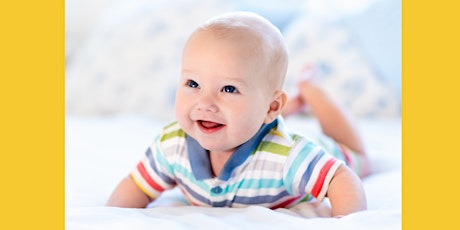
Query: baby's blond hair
[(265, 38)]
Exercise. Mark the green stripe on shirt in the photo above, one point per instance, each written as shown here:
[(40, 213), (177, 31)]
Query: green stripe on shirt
[(175, 133), (274, 148)]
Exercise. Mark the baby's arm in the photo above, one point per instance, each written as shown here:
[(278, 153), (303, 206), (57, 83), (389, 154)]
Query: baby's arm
[(346, 193), (128, 195)]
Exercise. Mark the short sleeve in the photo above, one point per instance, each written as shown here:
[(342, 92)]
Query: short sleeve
[(153, 174), (309, 169)]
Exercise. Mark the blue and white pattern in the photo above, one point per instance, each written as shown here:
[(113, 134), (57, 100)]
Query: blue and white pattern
[(129, 58)]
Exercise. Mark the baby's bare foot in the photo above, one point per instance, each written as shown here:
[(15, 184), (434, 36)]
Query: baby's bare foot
[(309, 73), (298, 104), (293, 106)]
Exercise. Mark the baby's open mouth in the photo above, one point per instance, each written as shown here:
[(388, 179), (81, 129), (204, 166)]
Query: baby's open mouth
[(209, 126)]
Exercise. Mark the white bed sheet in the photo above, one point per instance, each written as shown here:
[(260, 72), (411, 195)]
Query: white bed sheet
[(101, 151)]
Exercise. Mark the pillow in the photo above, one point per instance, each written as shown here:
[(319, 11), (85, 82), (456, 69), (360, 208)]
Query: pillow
[(345, 66), (79, 19), (130, 63)]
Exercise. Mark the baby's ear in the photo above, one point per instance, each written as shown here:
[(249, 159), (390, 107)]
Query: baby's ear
[(276, 106)]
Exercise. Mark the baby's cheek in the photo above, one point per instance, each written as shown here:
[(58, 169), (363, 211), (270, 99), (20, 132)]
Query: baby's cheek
[(182, 116), (182, 104)]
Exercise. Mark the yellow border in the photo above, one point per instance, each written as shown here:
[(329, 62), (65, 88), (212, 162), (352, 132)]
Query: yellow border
[(430, 117), (32, 121), (32, 110)]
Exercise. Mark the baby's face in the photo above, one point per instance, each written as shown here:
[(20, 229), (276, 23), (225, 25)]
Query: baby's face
[(222, 98)]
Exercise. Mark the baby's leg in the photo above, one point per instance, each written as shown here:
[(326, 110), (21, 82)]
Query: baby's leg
[(334, 121)]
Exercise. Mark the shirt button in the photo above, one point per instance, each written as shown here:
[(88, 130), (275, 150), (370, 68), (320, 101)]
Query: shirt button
[(216, 190)]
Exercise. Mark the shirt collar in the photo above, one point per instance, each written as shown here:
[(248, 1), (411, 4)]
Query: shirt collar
[(199, 159)]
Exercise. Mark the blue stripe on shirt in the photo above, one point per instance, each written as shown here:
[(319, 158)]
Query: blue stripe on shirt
[(296, 163), (254, 184), (307, 174), (179, 169), (153, 165), (193, 193), (260, 199)]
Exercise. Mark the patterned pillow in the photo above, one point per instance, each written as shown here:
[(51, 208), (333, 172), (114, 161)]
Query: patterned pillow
[(344, 69), (131, 61)]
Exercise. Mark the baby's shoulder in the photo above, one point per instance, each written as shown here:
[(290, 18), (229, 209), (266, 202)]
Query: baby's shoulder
[(280, 134), (171, 131), (282, 142), (171, 138)]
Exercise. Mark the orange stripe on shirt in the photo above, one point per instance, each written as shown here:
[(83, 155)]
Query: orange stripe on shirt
[(321, 177), (147, 178)]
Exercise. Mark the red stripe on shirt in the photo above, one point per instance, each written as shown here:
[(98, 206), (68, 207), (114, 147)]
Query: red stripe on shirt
[(321, 177), (147, 178), (286, 203)]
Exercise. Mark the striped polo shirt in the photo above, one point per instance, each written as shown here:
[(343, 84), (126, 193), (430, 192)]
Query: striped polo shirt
[(273, 169)]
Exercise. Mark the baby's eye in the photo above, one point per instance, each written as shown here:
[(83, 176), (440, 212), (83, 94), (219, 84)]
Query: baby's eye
[(229, 89), (192, 84)]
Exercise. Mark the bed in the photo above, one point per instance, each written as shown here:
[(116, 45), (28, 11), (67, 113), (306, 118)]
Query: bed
[(119, 53), (100, 151)]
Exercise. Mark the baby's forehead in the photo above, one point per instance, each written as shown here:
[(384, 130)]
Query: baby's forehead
[(260, 38), (242, 31), (235, 24), (241, 40)]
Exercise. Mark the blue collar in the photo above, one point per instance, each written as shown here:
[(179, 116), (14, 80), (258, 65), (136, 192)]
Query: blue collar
[(199, 159)]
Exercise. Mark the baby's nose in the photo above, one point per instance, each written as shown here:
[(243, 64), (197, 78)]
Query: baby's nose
[(206, 102)]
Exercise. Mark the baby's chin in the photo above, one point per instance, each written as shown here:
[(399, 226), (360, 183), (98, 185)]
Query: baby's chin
[(216, 146), (213, 148)]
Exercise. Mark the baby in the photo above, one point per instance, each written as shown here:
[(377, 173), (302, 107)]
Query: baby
[(230, 146)]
